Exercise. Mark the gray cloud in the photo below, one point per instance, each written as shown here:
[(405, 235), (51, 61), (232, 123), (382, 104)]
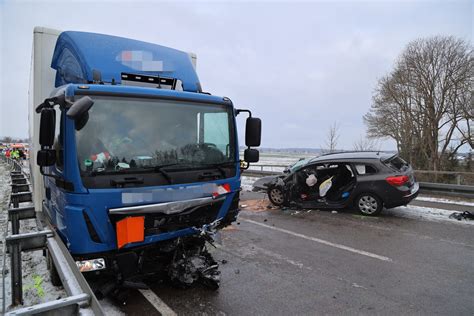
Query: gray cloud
[(299, 66)]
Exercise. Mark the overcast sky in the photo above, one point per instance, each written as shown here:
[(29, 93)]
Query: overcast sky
[(299, 66)]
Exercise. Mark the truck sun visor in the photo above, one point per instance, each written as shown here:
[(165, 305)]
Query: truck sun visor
[(78, 55)]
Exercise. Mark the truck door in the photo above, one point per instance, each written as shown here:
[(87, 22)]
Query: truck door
[(54, 194)]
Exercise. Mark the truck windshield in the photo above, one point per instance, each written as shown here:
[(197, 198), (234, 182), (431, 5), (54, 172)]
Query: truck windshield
[(124, 134)]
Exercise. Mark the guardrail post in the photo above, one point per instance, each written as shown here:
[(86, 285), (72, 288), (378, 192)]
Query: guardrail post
[(15, 266), (15, 263), (458, 179), (15, 201), (15, 244)]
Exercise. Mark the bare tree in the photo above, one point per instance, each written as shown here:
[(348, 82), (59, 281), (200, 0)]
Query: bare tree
[(365, 143), (332, 138), (424, 103)]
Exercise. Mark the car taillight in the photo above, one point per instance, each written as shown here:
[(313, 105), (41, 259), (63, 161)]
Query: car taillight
[(397, 181)]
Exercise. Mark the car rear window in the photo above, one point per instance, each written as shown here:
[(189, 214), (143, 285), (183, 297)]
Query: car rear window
[(365, 169), (397, 163)]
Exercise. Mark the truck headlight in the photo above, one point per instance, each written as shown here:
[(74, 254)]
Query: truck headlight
[(91, 265)]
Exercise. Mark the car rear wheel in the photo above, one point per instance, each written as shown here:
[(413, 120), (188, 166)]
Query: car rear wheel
[(369, 204), (276, 196)]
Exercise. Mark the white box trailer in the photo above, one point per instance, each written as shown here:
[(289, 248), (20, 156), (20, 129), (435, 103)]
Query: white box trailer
[(42, 78)]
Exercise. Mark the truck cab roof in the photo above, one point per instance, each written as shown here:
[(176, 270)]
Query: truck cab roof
[(82, 57)]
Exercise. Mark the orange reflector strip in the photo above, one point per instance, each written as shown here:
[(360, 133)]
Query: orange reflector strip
[(130, 229)]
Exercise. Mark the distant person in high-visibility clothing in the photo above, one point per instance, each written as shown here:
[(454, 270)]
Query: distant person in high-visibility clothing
[(15, 154)]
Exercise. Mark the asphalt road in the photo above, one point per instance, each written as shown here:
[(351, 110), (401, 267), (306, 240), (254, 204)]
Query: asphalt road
[(323, 263)]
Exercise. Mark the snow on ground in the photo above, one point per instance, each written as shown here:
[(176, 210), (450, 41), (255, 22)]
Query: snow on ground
[(445, 200), (37, 287), (4, 200), (426, 213), (247, 183)]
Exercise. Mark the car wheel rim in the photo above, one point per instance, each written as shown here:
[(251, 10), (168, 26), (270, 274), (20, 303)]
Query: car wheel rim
[(276, 196), (368, 204)]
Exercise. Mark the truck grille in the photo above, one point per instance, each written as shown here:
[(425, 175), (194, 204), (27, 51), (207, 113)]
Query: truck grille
[(192, 217)]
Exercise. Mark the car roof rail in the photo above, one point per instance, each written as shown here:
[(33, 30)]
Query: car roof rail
[(351, 151)]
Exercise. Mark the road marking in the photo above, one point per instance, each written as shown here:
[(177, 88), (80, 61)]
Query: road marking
[(160, 306), (322, 241)]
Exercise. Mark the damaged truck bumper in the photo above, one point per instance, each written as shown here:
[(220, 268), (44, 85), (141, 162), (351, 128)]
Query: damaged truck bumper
[(173, 246)]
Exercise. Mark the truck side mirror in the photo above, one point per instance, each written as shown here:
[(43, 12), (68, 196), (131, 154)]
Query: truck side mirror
[(46, 157), (253, 132), (79, 111), (47, 127), (251, 155)]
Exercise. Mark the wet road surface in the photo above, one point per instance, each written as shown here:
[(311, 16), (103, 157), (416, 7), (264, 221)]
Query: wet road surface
[(323, 263)]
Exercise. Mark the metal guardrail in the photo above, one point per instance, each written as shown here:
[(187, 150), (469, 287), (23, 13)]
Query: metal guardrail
[(465, 191), (80, 296)]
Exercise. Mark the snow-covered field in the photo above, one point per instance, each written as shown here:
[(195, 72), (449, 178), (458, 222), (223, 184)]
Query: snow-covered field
[(271, 162)]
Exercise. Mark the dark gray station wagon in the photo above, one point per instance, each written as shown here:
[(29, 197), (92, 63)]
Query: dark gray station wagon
[(368, 181)]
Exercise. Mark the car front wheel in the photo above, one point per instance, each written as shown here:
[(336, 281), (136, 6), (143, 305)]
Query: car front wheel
[(276, 196), (369, 204)]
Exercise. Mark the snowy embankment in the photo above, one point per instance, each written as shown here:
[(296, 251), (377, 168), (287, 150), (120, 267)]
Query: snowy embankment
[(37, 287), (459, 202), (427, 213)]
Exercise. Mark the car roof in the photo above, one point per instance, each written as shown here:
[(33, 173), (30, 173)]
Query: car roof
[(353, 155)]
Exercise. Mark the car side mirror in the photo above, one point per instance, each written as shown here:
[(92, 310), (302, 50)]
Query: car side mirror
[(47, 127), (253, 132), (46, 157), (79, 111), (251, 155)]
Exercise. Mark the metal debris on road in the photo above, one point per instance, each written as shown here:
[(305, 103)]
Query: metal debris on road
[(466, 215)]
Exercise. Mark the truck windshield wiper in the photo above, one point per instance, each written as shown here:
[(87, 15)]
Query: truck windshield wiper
[(161, 169), (218, 166)]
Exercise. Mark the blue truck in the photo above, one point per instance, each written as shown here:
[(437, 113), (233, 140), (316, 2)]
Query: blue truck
[(133, 165)]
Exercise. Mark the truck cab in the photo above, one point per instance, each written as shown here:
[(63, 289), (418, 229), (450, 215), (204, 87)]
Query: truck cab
[(137, 167)]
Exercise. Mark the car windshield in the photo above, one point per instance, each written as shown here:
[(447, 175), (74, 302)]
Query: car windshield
[(127, 134), (299, 163)]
